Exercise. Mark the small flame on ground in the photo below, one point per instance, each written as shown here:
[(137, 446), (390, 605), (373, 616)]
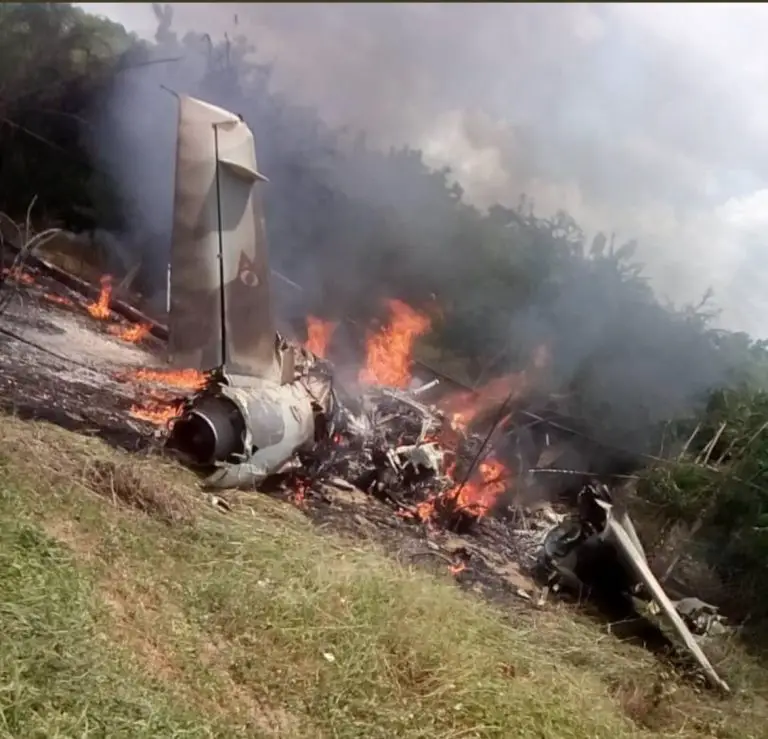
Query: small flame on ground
[(58, 299), (17, 274), (299, 496), (132, 334), (100, 309), (161, 409), (186, 379), (457, 568), (319, 334), (388, 352), (157, 410)]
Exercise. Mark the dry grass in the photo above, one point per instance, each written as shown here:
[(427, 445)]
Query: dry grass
[(132, 608), (144, 487)]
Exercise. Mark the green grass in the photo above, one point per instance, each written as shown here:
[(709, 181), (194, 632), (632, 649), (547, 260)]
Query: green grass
[(132, 608)]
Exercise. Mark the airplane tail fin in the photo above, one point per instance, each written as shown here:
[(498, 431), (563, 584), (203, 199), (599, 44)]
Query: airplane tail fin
[(220, 309)]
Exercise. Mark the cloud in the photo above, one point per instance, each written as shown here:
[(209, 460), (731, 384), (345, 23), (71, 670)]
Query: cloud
[(644, 119)]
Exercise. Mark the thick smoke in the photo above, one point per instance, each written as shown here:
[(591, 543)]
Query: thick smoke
[(580, 107), (639, 119), (135, 141)]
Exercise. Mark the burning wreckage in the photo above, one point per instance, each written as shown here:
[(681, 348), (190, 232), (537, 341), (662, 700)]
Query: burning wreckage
[(270, 407), (265, 408)]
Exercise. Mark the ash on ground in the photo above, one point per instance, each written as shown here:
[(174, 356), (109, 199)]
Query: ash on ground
[(59, 364)]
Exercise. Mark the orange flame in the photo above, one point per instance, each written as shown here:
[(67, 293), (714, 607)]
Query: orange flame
[(464, 407), (157, 410), (100, 309), (132, 334), (480, 494), (58, 299), (388, 353), (299, 497), (186, 379), (319, 334), (17, 274), (476, 497)]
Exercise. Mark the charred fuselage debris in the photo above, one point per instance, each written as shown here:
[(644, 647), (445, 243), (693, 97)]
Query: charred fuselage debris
[(250, 428), (597, 550)]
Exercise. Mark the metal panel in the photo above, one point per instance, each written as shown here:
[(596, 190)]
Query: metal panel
[(218, 239), (249, 328)]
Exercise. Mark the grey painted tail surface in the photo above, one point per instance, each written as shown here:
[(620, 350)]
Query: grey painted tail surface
[(217, 212)]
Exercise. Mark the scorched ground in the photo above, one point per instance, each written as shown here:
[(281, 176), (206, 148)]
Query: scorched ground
[(75, 363)]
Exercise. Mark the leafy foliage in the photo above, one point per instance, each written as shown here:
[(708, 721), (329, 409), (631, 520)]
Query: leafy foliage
[(56, 61), (720, 488)]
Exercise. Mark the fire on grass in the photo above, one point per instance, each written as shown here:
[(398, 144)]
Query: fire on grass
[(160, 407), (100, 310), (23, 277)]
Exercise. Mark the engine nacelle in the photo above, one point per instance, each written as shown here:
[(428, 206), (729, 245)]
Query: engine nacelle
[(248, 428)]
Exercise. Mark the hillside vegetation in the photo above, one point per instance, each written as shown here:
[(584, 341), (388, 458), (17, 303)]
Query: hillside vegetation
[(133, 608), (354, 224)]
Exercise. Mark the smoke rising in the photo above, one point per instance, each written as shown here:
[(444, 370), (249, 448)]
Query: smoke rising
[(620, 116), (638, 119)]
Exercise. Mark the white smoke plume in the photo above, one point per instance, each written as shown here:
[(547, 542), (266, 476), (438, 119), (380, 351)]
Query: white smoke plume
[(621, 117), (643, 119)]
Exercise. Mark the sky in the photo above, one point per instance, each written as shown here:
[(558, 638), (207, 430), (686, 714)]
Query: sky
[(648, 120)]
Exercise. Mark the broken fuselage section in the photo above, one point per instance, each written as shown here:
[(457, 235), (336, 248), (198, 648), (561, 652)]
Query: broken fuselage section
[(265, 398), (598, 548)]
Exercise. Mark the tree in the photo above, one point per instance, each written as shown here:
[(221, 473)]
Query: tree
[(57, 60)]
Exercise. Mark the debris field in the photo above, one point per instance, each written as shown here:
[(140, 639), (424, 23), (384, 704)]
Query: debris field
[(447, 479)]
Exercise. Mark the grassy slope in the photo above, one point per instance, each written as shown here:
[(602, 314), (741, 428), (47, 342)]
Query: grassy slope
[(131, 608)]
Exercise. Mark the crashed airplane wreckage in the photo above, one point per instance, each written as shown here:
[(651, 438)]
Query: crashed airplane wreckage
[(266, 400), (259, 405), (270, 407)]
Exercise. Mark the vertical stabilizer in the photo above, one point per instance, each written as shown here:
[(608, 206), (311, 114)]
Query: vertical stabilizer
[(220, 311)]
